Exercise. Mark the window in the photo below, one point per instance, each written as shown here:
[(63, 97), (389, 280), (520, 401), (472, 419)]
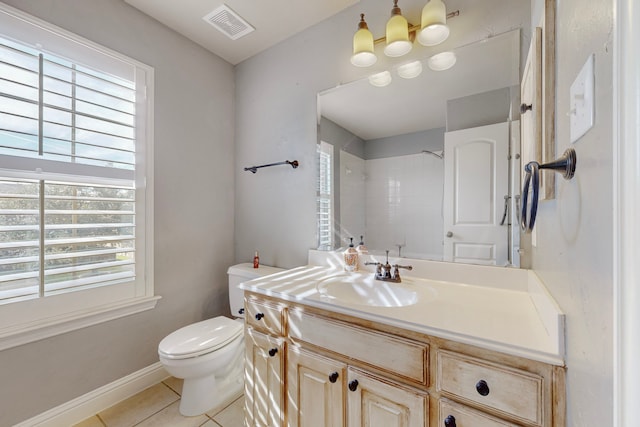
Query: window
[(324, 196), (75, 187)]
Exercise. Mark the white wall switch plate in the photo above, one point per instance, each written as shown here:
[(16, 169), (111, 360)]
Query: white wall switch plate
[(581, 101)]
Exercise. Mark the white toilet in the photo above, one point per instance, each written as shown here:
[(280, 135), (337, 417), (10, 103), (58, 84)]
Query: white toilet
[(209, 355)]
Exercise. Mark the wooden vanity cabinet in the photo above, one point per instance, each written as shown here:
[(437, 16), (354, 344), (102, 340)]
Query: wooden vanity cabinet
[(315, 389), (337, 370), (373, 401), (323, 392), (265, 349)]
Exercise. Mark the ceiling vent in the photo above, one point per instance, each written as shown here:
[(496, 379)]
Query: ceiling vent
[(228, 22)]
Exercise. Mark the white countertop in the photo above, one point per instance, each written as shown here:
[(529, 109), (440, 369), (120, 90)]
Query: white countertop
[(520, 319)]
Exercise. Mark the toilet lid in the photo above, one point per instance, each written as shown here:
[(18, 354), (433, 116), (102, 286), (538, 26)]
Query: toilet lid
[(200, 338)]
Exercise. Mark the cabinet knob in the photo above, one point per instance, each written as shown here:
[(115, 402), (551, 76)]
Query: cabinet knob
[(273, 352), (333, 377), (259, 316), (450, 421), (482, 388), (353, 385), (525, 107), (241, 311)]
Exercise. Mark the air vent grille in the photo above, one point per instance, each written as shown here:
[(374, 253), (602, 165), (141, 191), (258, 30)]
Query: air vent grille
[(228, 22)]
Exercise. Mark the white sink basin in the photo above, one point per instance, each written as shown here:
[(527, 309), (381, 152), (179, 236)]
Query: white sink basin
[(363, 289)]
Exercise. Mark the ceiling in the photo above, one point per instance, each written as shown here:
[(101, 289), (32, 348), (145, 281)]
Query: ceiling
[(405, 106), (274, 21)]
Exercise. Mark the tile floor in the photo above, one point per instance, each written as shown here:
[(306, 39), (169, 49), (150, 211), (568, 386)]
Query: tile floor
[(157, 406)]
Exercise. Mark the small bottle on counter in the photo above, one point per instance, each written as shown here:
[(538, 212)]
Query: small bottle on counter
[(351, 258), (362, 249), (256, 260)]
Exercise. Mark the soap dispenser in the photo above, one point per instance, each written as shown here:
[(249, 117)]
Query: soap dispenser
[(351, 258), (362, 249)]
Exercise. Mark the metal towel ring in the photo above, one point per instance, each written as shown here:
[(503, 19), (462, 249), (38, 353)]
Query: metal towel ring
[(566, 165)]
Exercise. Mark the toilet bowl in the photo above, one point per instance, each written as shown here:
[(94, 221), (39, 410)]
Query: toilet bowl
[(209, 355)]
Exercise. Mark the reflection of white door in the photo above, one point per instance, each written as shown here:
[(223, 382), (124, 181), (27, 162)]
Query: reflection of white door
[(476, 182)]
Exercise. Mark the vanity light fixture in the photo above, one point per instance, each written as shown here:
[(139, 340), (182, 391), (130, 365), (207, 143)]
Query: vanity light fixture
[(400, 34), (433, 28), (380, 79), (397, 34), (442, 61), (363, 55), (410, 70)]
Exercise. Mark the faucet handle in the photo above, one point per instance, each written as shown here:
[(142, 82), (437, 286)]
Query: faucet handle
[(396, 271)]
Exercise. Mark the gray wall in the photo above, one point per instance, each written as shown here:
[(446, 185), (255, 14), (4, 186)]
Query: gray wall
[(194, 202), (574, 255), (276, 103), (276, 117), (401, 145), (341, 138), (483, 109)]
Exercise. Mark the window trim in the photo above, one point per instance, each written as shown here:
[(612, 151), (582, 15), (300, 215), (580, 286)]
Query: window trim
[(59, 314)]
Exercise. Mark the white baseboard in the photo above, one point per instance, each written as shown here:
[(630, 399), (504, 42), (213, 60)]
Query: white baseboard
[(85, 406)]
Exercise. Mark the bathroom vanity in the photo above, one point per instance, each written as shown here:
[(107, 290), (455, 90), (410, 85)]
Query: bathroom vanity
[(326, 348)]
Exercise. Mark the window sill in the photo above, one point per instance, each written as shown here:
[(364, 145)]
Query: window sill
[(59, 325)]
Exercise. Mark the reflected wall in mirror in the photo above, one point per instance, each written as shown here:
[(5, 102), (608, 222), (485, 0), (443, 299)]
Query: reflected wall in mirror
[(392, 171)]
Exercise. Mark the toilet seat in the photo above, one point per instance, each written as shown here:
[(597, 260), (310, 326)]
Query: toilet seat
[(200, 338)]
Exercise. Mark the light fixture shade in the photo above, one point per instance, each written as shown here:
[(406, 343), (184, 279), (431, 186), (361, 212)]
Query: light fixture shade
[(433, 28), (398, 43), (442, 61), (410, 70), (363, 53), (381, 79)]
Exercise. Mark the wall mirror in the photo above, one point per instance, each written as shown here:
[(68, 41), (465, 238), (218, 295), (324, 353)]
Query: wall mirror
[(399, 165)]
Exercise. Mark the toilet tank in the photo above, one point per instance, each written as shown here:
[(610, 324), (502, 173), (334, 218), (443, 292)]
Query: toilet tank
[(242, 273)]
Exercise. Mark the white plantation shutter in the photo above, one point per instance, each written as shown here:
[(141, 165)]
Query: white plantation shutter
[(324, 199), (74, 157)]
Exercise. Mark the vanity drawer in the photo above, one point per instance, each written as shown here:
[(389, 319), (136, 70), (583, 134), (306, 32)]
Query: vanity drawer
[(398, 356), (450, 413), (265, 316), (511, 391)]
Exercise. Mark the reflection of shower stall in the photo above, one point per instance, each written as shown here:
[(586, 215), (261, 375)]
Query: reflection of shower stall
[(403, 199)]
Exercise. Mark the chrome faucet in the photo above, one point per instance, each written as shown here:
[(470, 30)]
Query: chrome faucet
[(387, 272)]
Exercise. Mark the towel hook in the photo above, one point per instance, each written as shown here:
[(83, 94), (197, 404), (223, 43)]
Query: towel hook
[(565, 165)]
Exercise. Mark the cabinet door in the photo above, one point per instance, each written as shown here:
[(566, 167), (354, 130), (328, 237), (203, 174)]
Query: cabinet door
[(374, 402), (452, 414), (315, 389), (264, 382)]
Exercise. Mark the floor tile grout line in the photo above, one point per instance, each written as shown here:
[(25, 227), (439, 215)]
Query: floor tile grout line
[(161, 409), (208, 417), (171, 388)]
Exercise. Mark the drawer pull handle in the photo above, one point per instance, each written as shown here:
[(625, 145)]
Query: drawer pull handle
[(273, 352), (450, 421), (259, 316), (482, 388), (241, 311), (333, 377), (353, 385)]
